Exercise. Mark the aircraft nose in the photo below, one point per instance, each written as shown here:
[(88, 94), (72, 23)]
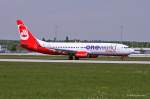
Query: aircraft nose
[(132, 51)]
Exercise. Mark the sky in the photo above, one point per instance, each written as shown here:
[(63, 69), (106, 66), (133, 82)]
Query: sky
[(78, 19)]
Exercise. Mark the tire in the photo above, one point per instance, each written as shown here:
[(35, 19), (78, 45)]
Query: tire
[(76, 58), (70, 57)]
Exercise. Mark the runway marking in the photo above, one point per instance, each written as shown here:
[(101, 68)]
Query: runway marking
[(74, 61), (136, 95)]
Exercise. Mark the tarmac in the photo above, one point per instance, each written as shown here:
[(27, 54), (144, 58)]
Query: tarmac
[(74, 61)]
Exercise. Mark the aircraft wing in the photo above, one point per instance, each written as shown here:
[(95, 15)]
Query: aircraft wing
[(68, 50), (65, 50)]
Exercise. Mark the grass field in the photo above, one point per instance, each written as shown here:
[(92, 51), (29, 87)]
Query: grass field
[(74, 81), (66, 57)]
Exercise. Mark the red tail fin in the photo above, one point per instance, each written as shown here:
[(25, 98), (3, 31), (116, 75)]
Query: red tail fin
[(27, 40)]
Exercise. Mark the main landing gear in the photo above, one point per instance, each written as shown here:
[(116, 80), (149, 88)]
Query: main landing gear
[(71, 57), (76, 58), (124, 58)]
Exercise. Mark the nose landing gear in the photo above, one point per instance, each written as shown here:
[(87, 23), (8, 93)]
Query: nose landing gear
[(123, 58)]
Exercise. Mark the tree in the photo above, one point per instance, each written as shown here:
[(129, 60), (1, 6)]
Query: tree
[(13, 47), (67, 39), (48, 40), (54, 39), (43, 39)]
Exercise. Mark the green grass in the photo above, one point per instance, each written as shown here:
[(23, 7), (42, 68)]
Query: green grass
[(74, 81), (66, 57), (31, 57)]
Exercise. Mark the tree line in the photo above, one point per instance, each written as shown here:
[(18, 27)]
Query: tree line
[(14, 45)]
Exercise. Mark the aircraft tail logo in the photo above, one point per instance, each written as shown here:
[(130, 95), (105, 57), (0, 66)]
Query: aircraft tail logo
[(27, 40), (24, 33)]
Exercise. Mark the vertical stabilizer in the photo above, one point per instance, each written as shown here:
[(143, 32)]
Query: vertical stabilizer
[(27, 40)]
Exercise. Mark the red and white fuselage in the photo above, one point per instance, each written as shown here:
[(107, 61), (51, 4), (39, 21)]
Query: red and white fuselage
[(77, 50)]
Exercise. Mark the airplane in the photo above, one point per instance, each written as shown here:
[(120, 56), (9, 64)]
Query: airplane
[(74, 50)]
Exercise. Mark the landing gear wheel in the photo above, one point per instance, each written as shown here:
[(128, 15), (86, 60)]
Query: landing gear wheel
[(76, 58), (123, 58), (70, 57)]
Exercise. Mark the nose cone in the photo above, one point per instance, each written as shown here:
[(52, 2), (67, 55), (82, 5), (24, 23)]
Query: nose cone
[(132, 51)]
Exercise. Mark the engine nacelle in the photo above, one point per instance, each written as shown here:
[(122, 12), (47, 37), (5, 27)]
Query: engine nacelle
[(81, 54)]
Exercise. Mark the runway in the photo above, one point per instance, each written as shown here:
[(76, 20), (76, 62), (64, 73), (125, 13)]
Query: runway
[(75, 61)]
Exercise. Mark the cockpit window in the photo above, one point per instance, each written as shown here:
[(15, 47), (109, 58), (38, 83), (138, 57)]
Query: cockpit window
[(125, 47)]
